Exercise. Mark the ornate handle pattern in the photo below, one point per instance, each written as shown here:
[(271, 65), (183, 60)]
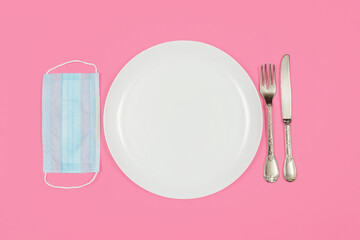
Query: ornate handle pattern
[(289, 165), (271, 168)]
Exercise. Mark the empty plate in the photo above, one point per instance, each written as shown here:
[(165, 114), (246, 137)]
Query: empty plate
[(183, 119)]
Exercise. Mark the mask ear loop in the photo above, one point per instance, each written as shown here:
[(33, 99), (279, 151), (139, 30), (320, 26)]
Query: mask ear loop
[(72, 61), (69, 187), (45, 180)]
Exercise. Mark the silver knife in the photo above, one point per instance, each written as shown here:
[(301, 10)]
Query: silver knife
[(289, 165)]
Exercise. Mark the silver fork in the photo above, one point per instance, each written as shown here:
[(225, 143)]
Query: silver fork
[(268, 90)]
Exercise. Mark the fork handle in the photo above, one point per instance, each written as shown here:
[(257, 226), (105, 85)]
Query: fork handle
[(289, 165), (271, 168), (270, 131)]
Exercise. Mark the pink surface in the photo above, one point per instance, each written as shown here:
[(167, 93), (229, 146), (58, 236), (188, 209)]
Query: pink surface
[(322, 38)]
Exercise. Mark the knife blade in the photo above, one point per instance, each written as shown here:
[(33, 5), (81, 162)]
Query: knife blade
[(285, 87)]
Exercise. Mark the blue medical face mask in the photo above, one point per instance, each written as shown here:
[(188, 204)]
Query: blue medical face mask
[(71, 123)]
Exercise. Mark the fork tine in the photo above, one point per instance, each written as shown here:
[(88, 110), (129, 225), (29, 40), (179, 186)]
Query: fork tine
[(274, 74), (266, 76), (261, 76), (270, 75)]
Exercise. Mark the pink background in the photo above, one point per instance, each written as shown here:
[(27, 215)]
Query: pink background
[(322, 38)]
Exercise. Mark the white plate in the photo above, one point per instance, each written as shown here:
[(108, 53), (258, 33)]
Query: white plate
[(183, 119)]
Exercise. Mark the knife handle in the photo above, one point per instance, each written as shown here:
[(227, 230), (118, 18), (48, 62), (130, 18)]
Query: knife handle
[(271, 168), (289, 165)]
